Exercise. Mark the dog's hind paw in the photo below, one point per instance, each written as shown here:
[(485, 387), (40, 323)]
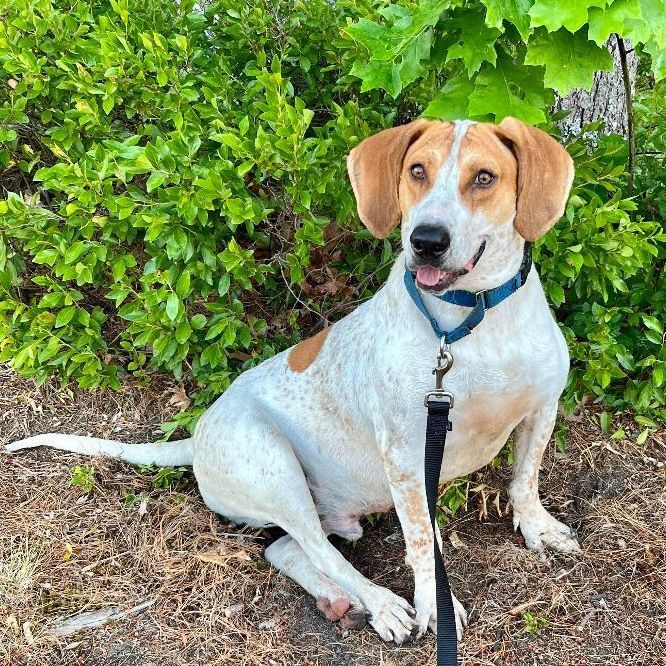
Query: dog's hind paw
[(345, 610)]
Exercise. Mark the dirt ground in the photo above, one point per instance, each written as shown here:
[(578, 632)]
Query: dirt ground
[(189, 588)]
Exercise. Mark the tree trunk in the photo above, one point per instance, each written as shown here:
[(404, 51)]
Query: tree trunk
[(607, 101)]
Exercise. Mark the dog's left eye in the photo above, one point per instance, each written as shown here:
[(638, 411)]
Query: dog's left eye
[(417, 171), (484, 178)]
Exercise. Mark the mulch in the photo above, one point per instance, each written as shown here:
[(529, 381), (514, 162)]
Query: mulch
[(189, 588)]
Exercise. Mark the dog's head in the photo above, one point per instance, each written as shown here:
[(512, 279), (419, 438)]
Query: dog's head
[(461, 190)]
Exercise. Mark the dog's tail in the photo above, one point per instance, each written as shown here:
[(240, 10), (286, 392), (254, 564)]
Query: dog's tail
[(180, 452)]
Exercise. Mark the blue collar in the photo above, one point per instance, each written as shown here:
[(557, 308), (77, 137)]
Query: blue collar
[(479, 301)]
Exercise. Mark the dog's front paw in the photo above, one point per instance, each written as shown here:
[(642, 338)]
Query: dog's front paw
[(543, 532), (392, 616), (425, 603)]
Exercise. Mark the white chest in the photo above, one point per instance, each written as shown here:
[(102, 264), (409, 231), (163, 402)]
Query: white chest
[(512, 364)]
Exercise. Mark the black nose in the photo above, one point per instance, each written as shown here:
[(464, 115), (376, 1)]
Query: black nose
[(429, 240)]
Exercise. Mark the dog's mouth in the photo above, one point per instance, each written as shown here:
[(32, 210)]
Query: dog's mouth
[(429, 278)]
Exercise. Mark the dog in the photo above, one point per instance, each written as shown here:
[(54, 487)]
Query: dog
[(333, 429)]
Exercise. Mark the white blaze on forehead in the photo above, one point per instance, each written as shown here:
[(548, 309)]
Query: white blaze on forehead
[(448, 176), (445, 188)]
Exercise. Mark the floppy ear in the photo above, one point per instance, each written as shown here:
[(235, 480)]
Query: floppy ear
[(545, 174), (374, 168)]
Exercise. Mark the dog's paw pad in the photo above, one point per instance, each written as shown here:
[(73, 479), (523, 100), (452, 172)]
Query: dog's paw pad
[(333, 610)]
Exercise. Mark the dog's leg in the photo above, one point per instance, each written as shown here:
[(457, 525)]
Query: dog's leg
[(408, 491), (287, 556), (276, 491), (538, 527), (391, 615)]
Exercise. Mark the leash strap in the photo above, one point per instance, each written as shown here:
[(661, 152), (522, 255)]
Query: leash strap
[(479, 301), (439, 402), (438, 425)]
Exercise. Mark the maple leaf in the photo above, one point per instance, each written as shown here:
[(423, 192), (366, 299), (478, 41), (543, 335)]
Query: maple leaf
[(650, 26), (604, 22), (570, 60), (396, 51), (514, 11), (571, 14), (475, 43), (378, 74), (508, 89), (452, 102), (658, 56)]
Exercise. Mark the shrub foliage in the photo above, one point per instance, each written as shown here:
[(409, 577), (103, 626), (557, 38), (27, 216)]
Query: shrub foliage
[(175, 194)]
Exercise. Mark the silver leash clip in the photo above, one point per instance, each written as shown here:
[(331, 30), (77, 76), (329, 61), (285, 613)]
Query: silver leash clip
[(444, 364)]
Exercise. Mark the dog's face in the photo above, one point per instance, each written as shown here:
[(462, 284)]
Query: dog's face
[(461, 190)]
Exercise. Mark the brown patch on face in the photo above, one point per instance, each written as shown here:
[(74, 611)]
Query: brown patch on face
[(306, 351), (545, 175), (482, 150), (375, 169), (431, 151)]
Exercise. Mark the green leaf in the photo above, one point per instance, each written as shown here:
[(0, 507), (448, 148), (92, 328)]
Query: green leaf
[(51, 299), (411, 66), (378, 74), (514, 11), (46, 257), (452, 102), (118, 269), (508, 90), (155, 180), (183, 284), (605, 422), (223, 286), (475, 43), (395, 51), (605, 21), (658, 56), (556, 293), (570, 60), (653, 324), (73, 252), (183, 332), (649, 26), (172, 306), (571, 14), (641, 439), (65, 316), (198, 321)]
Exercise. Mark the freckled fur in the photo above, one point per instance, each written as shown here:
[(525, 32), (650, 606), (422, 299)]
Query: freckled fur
[(333, 429)]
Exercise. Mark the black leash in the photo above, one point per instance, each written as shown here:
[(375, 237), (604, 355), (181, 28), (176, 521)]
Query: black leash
[(439, 402)]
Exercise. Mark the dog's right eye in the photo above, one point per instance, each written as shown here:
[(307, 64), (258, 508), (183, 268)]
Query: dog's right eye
[(417, 171)]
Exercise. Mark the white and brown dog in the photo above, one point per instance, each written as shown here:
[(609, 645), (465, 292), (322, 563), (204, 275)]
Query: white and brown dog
[(333, 428)]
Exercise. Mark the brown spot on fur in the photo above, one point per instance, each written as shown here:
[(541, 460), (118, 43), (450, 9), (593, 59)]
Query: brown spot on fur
[(482, 150), (306, 351)]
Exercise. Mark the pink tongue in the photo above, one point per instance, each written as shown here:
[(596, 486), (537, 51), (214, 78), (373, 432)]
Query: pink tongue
[(428, 276)]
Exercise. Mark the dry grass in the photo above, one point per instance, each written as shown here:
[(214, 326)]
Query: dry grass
[(213, 599)]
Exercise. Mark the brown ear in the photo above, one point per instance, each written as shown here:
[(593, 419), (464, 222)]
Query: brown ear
[(374, 168), (545, 174)]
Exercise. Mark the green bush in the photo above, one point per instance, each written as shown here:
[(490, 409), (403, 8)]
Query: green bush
[(176, 196)]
